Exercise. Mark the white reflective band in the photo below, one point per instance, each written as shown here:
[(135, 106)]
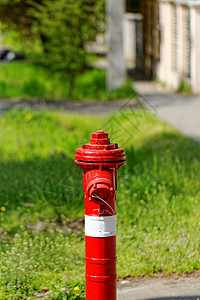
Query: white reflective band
[(100, 226)]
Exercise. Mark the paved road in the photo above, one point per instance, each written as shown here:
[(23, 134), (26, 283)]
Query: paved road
[(182, 112), (172, 288), (78, 107)]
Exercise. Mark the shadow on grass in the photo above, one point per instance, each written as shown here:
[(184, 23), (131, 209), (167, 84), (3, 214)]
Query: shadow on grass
[(41, 189)]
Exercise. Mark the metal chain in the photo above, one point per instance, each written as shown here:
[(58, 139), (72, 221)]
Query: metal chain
[(112, 214)]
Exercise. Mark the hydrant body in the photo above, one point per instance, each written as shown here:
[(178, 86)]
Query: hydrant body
[(100, 161)]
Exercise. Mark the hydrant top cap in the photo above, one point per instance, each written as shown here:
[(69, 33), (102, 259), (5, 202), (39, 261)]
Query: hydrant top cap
[(100, 150), (100, 138), (100, 134)]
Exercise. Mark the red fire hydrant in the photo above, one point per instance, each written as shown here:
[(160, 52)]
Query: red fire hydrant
[(99, 161)]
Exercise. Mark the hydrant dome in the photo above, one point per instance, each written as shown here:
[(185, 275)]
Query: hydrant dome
[(100, 150)]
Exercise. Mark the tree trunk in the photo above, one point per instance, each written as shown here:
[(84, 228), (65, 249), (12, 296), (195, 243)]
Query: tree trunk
[(71, 86)]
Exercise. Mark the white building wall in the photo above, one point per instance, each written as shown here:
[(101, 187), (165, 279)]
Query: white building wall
[(180, 41), (195, 49), (197, 89), (166, 72), (164, 17), (116, 72), (131, 38)]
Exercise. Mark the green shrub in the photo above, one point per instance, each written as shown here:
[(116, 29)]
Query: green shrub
[(184, 88), (67, 27)]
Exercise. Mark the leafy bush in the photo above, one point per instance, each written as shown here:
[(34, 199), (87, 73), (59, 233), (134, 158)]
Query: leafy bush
[(67, 27), (184, 87), (63, 28)]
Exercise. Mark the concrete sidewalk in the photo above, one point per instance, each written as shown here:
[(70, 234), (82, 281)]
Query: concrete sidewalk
[(170, 288), (78, 107), (182, 112)]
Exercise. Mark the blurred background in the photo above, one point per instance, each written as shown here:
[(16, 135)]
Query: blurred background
[(67, 69), (62, 49)]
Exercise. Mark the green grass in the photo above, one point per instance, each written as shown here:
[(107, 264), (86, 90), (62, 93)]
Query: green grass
[(25, 80), (185, 88), (158, 200)]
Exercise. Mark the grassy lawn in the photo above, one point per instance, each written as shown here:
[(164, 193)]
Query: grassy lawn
[(158, 201), (25, 80)]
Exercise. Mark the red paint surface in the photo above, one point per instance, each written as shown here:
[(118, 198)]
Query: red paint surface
[(99, 161)]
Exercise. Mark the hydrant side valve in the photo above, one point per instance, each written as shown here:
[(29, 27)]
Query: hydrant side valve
[(100, 184), (100, 161)]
